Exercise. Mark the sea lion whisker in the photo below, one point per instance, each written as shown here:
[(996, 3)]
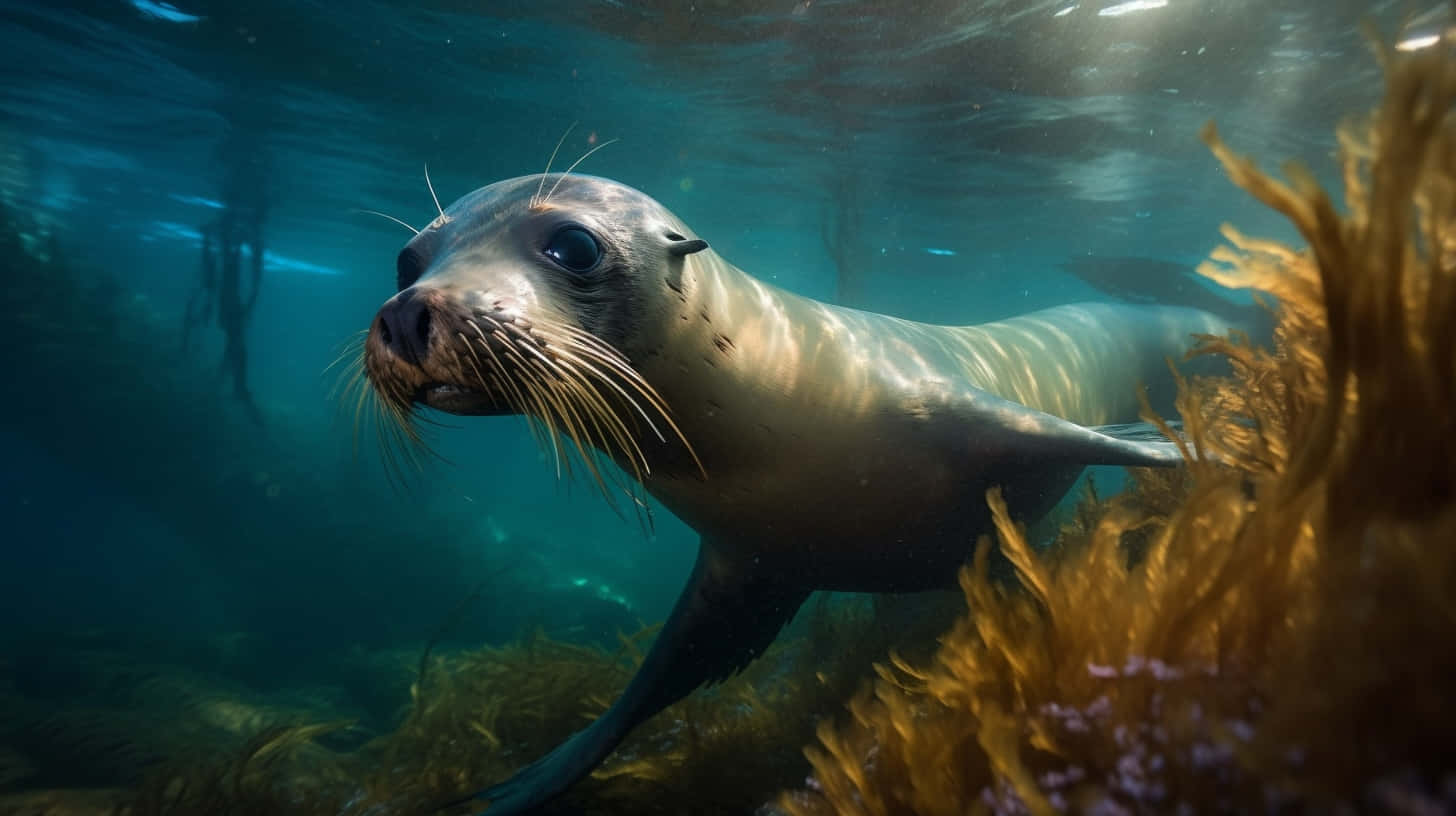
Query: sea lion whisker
[(384, 435), (568, 170), (539, 407), (474, 357), (604, 351), (352, 373), (514, 393), (366, 396), (390, 217), (351, 386), (545, 409), (402, 443), (410, 442), (579, 409), (641, 386), (600, 348), (431, 187), (574, 360), (549, 366), (348, 348), (597, 349), (536, 199), (574, 428), (608, 427), (567, 402), (528, 343), (545, 406), (625, 441), (351, 356), (609, 380), (353, 394), (496, 362), (478, 332), (347, 357), (572, 390), (475, 364)]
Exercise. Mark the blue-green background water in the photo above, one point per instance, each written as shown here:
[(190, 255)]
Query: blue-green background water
[(968, 151)]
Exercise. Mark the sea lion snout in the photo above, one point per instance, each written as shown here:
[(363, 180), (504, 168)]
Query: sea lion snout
[(403, 325), (451, 347), (408, 354)]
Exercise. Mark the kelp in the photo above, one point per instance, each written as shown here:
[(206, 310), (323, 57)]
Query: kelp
[(1287, 638), (724, 750), (280, 769), (476, 715)]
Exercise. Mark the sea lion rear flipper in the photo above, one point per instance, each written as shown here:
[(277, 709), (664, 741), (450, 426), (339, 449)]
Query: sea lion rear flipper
[(724, 618), (1140, 431), (1032, 433)]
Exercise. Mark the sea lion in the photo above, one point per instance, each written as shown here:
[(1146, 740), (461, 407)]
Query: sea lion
[(810, 446)]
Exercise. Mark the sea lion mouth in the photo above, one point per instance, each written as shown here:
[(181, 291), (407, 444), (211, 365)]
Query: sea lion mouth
[(453, 398), (583, 396), (440, 389)]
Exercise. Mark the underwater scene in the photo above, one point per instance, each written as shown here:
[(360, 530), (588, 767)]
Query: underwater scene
[(770, 407)]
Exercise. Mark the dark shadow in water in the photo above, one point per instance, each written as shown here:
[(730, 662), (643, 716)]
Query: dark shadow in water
[(233, 249)]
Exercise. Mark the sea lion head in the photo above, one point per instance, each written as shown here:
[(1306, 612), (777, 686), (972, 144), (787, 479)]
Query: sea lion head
[(526, 296)]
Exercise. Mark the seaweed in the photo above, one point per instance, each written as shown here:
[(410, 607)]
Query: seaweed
[(278, 770), (1286, 638), (479, 714), (473, 716)]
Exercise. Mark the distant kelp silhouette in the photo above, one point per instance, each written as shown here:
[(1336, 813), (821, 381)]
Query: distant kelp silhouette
[(1287, 639), (99, 383)]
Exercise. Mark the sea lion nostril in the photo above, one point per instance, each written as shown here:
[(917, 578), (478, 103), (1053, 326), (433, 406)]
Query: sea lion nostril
[(404, 326)]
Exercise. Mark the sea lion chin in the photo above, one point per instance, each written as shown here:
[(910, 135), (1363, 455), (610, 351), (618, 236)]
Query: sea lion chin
[(810, 446)]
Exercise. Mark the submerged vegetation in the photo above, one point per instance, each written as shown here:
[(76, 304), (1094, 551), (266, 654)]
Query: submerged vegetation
[(1287, 638), (476, 715), (1272, 628)]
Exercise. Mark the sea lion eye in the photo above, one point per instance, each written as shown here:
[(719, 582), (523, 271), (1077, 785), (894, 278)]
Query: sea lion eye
[(574, 249)]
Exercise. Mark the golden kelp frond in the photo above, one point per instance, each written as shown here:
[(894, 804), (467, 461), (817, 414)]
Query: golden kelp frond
[(1288, 637)]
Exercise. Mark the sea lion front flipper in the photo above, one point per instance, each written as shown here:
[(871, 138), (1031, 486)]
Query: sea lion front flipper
[(725, 617)]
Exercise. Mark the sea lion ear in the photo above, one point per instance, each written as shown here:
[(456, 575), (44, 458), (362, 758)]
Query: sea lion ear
[(681, 246)]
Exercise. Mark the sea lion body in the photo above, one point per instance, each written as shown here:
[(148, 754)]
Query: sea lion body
[(811, 446), (831, 435)]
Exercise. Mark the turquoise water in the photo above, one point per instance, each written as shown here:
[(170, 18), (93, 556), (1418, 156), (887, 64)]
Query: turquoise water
[(966, 153)]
